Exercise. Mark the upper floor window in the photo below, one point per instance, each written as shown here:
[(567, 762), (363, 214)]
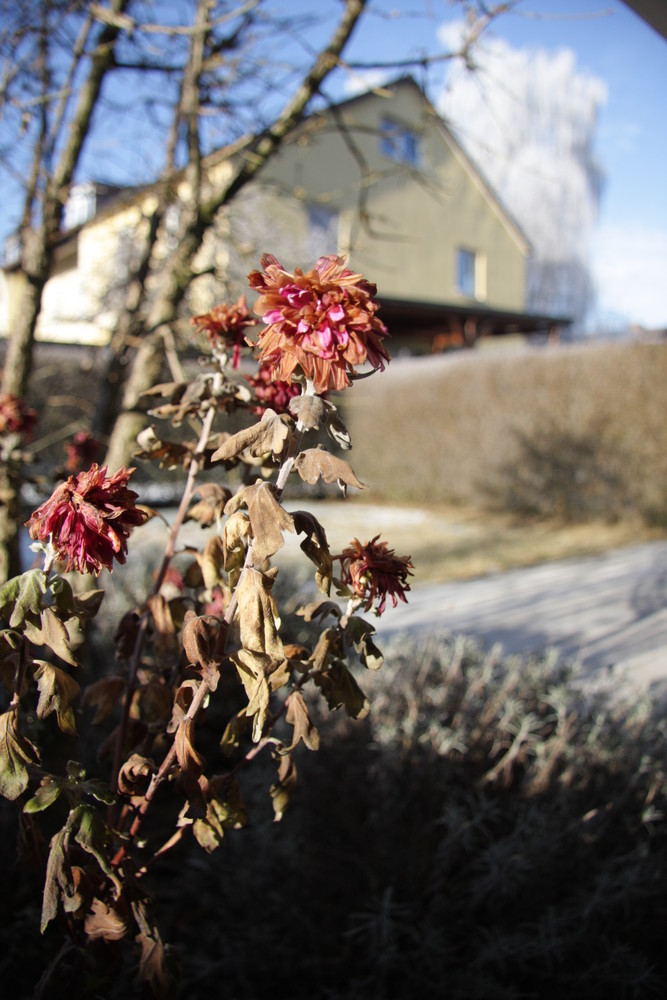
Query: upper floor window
[(80, 206), (399, 142), (322, 231), (465, 272)]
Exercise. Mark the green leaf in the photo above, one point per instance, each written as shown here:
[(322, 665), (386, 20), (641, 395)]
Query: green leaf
[(29, 597), (63, 595), (91, 835), (87, 605), (50, 632), (44, 797), (15, 753), (223, 813), (58, 874), (8, 595)]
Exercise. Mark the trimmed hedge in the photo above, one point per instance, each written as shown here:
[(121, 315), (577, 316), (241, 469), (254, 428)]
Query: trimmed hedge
[(575, 432)]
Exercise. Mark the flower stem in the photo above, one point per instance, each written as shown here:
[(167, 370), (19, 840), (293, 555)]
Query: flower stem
[(170, 548)]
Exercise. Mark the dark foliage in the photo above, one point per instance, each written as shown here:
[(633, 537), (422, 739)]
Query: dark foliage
[(492, 830)]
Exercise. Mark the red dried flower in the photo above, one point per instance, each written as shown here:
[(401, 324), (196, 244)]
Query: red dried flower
[(269, 393), (81, 451), (322, 323), (88, 519), (16, 416), (226, 324), (372, 572)]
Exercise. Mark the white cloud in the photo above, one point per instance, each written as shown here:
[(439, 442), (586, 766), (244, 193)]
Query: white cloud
[(528, 117), (630, 272), (360, 81)]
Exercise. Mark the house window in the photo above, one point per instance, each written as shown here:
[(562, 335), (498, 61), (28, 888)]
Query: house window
[(80, 206), (399, 142), (322, 231), (465, 272)]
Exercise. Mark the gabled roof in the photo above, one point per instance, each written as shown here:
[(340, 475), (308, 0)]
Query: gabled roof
[(385, 91)]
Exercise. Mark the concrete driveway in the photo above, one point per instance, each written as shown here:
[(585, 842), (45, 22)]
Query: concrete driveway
[(603, 611)]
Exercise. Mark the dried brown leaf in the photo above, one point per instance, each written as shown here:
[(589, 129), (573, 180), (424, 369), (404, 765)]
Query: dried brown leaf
[(105, 922), (316, 463), (199, 642), (298, 716), (316, 547), (257, 616), (267, 437), (104, 695), (268, 519), (282, 791), (57, 692)]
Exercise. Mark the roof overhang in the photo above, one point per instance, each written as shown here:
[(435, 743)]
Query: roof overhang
[(654, 12), (426, 318)]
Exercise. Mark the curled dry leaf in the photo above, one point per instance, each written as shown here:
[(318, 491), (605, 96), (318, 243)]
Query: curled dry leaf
[(104, 695), (309, 411), (315, 546), (267, 437), (211, 505), (105, 922), (257, 615), (169, 454), (252, 669), (342, 691), (268, 519), (135, 775), (316, 463), (282, 791), (16, 754), (236, 534), (298, 716), (57, 692), (199, 642)]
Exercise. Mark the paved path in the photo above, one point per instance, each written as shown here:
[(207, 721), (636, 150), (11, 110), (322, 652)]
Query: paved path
[(604, 611)]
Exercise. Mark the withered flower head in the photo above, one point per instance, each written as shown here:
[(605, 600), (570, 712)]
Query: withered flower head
[(88, 519), (271, 393), (323, 323), (225, 325), (81, 451), (16, 416), (372, 572)]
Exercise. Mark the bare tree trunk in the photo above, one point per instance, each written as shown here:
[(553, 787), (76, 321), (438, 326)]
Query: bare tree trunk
[(37, 262)]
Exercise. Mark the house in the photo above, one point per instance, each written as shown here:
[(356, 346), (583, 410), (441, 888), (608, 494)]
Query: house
[(379, 178)]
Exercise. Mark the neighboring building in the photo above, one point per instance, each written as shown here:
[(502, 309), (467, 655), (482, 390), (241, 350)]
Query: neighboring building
[(379, 178)]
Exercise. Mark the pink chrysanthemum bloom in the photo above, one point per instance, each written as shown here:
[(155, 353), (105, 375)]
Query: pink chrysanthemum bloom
[(16, 417), (269, 393), (81, 451), (88, 519), (323, 323), (373, 573), (226, 325)]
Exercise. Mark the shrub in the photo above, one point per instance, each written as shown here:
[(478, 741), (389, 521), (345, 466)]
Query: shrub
[(575, 432)]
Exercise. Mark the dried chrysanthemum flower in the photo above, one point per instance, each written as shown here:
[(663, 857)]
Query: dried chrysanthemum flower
[(225, 325), (271, 393), (88, 519), (81, 451), (16, 417), (322, 324), (373, 573)]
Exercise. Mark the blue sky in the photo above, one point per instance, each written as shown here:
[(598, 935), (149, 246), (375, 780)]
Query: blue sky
[(612, 43)]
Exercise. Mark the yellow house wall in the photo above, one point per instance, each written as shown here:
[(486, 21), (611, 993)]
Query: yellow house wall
[(416, 219)]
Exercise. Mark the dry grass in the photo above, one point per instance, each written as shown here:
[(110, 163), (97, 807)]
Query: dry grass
[(457, 543)]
